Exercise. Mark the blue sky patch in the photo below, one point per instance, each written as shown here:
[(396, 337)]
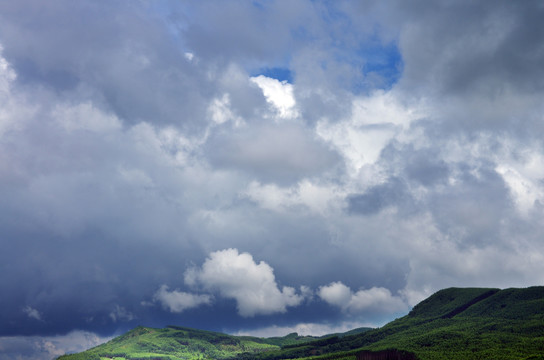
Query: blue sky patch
[(384, 61), (278, 73)]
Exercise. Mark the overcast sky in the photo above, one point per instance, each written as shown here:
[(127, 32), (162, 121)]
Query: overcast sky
[(261, 167)]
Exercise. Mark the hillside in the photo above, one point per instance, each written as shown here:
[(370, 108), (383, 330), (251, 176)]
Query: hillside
[(454, 323), (170, 343), (175, 342)]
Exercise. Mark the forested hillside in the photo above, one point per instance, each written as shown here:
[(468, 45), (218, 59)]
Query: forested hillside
[(454, 323)]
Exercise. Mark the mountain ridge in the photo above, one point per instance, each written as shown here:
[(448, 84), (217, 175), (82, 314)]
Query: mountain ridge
[(453, 323)]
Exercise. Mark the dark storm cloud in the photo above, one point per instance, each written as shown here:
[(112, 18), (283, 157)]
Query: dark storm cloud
[(472, 46), (71, 284), (47, 348)]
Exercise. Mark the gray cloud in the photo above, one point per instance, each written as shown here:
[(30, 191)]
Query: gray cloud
[(121, 56), (47, 348), (378, 198), (281, 153), (32, 313), (485, 49), (179, 301), (426, 170)]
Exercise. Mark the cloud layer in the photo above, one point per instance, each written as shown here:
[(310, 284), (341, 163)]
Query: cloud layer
[(263, 165)]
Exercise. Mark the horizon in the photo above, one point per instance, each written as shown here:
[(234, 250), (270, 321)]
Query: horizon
[(261, 166)]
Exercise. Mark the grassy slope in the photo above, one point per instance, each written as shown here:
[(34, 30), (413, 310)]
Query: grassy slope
[(458, 324), (176, 342), (509, 324), (171, 343), (452, 324)]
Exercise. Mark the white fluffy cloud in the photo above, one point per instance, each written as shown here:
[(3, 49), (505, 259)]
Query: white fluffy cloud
[(279, 94), (373, 299), (237, 276), (178, 301)]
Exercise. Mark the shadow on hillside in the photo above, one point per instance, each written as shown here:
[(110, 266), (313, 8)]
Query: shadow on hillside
[(386, 355)]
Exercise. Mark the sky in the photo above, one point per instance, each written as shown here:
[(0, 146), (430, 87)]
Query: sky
[(261, 167)]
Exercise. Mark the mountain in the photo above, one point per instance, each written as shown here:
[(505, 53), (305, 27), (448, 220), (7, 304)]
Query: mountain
[(175, 342), (454, 323)]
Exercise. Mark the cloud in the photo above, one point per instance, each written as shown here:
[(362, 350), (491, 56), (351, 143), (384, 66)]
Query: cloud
[(305, 329), (378, 198), (483, 48), (314, 197), (236, 276), (85, 117), (336, 294), (48, 347), (220, 111), (32, 313), (119, 313), (281, 153), (279, 94), (373, 299), (123, 159), (178, 301), (138, 52), (372, 123)]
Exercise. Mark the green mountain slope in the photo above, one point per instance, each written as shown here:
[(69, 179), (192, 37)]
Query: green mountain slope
[(170, 343), (175, 342), (470, 323), (506, 324), (452, 324)]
